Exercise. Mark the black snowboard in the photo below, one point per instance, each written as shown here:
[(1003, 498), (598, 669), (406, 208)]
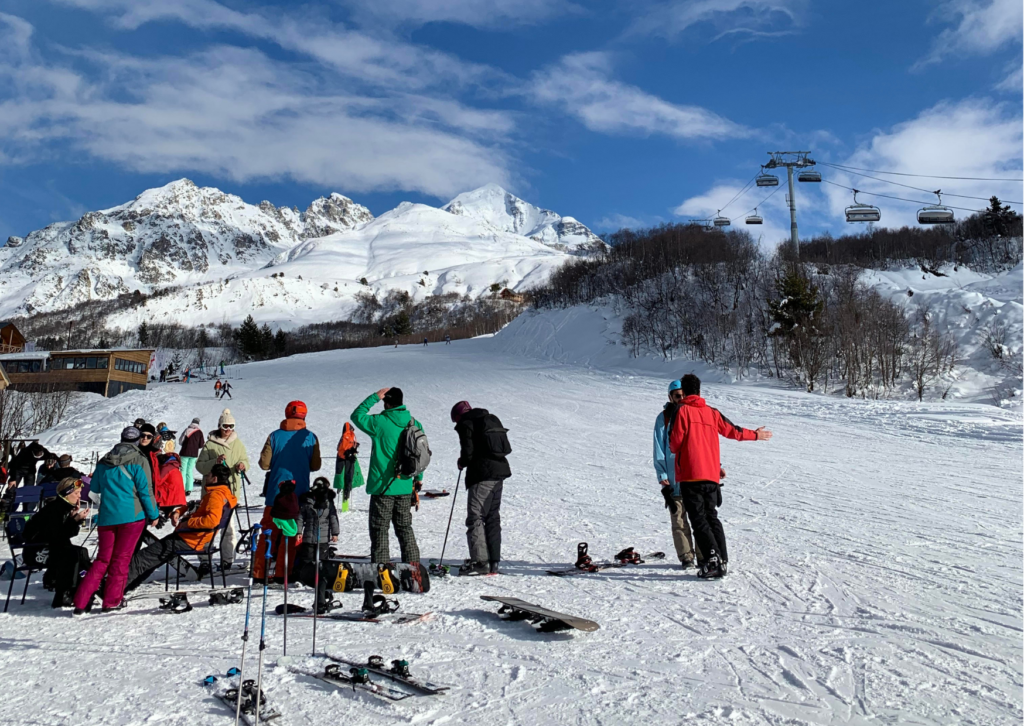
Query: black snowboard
[(548, 621)]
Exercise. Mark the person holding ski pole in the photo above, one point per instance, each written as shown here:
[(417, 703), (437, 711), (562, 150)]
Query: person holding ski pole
[(391, 496), (483, 448), (693, 439), (223, 446), (665, 470)]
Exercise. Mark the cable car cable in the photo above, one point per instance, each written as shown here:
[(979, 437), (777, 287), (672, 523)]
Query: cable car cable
[(923, 176), (920, 189), (901, 199)]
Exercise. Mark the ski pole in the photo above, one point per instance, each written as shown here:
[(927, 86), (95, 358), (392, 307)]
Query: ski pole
[(263, 628), (286, 595), (245, 498), (245, 633), (316, 580), (454, 495)]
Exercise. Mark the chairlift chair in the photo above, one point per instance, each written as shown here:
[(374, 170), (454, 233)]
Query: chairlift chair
[(754, 218), (766, 180), (935, 213), (721, 221), (858, 212), (809, 176)]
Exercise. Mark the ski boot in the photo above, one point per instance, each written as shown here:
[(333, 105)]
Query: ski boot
[(711, 569), (493, 566), (474, 569), (583, 561)]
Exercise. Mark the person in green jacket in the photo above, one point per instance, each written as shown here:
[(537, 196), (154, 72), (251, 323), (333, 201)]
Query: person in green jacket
[(391, 497), (224, 447)]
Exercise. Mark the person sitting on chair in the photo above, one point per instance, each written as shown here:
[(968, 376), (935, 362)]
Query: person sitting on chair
[(192, 531), (48, 536)]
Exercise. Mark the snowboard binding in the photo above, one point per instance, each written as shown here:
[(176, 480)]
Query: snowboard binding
[(583, 560), (437, 570), (375, 605), (629, 556), (248, 696), (231, 597), (176, 603)]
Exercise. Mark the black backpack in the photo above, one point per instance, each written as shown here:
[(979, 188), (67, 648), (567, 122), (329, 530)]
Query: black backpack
[(494, 437)]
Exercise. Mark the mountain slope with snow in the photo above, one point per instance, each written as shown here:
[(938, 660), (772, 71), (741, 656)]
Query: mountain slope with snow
[(224, 258), (509, 213)]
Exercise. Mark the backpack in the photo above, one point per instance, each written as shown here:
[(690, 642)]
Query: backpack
[(413, 454), (495, 437)]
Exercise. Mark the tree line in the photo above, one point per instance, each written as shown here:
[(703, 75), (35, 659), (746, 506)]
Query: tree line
[(717, 297)]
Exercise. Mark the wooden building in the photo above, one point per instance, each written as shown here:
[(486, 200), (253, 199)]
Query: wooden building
[(107, 372), (11, 339)]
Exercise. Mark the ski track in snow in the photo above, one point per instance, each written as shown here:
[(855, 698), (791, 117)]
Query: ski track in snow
[(875, 564)]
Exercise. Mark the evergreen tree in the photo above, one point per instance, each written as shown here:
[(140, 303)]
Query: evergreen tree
[(143, 334), (280, 343), (266, 341), (248, 339)]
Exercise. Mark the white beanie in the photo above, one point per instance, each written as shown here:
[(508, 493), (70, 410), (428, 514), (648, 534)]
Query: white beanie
[(226, 418)]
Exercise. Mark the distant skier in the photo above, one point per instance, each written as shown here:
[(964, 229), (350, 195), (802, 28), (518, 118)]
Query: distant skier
[(447, 339), (225, 390), (216, 388), (694, 441), (424, 342), (665, 470), (391, 496), (222, 368), (483, 446)]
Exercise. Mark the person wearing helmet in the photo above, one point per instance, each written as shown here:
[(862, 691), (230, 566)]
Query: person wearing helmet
[(483, 448), (664, 469), (290, 454)]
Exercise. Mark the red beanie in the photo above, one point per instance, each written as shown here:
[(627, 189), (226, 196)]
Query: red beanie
[(295, 409)]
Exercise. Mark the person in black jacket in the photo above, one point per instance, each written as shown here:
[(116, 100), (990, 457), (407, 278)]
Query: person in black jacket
[(65, 470), (48, 536), (23, 465), (484, 446), (317, 516)]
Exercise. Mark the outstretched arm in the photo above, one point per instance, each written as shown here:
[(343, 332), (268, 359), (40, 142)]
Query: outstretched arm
[(731, 431)]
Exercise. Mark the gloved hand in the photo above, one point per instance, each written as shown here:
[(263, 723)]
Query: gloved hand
[(670, 501), (416, 495)]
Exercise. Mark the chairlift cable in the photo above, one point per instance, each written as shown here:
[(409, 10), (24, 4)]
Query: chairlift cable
[(920, 189), (901, 199), (923, 176)]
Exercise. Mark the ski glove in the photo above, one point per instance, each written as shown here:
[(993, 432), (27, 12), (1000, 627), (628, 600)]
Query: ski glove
[(670, 501)]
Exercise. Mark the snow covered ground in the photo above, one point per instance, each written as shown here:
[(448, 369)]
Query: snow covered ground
[(875, 563)]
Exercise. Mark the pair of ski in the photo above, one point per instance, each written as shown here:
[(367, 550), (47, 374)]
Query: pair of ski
[(584, 563), (345, 673)]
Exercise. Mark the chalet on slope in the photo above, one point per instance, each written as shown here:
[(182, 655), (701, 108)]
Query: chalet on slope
[(106, 372), (11, 339)]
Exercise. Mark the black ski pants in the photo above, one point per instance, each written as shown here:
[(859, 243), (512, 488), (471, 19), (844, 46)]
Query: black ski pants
[(701, 501), (483, 520), (305, 571), (147, 559)]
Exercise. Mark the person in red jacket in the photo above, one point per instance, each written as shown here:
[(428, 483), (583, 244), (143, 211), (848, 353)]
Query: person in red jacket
[(694, 441)]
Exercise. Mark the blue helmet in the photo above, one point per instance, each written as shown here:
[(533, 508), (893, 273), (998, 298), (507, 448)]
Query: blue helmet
[(675, 385)]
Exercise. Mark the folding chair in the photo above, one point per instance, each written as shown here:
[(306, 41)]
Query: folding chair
[(206, 552), (15, 540), (49, 490)]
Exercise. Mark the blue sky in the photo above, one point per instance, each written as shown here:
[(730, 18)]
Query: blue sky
[(615, 112)]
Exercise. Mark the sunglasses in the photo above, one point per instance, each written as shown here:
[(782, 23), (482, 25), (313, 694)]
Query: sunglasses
[(146, 436), (676, 396)]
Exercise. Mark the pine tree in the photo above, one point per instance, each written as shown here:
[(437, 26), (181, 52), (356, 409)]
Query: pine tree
[(143, 334), (280, 343), (248, 339), (266, 341)]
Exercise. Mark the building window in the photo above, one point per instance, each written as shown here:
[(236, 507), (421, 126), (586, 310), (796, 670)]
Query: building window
[(90, 362), (79, 364), (101, 363), (37, 366), (23, 366), (69, 364)]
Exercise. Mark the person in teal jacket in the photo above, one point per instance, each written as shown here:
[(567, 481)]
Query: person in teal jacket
[(126, 503), (391, 497), (664, 469)]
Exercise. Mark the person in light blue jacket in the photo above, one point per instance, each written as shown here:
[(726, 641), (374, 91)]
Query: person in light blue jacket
[(126, 503), (664, 468)]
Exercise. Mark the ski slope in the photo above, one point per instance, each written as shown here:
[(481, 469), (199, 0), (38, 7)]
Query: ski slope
[(875, 563)]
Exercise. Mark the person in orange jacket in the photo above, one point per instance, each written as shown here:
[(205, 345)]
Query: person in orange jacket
[(192, 532)]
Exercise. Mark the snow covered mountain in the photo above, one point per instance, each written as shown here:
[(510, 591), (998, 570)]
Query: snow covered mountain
[(224, 258), (509, 213)]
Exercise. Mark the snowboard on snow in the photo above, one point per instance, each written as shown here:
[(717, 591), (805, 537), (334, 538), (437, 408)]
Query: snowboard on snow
[(355, 617), (547, 621), (435, 493), (393, 577), (585, 564), (398, 672)]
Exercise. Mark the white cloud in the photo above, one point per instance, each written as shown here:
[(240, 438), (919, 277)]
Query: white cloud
[(581, 85), (972, 138), (669, 18), (1014, 79), (362, 57), (774, 211), (491, 14), (236, 113), (982, 27), (615, 222)]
